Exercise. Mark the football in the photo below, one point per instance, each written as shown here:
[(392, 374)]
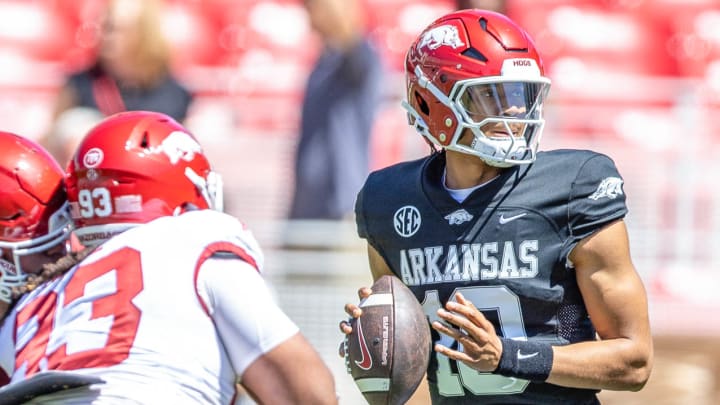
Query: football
[(389, 347)]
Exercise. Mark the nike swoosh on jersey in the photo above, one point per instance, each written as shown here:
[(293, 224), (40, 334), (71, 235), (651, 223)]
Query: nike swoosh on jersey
[(505, 220), (366, 361)]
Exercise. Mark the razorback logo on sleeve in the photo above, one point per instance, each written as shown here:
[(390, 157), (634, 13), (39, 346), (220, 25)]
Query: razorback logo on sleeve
[(610, 187)]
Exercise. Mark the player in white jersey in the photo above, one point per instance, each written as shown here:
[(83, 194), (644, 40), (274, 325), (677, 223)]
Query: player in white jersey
[(169, 306)]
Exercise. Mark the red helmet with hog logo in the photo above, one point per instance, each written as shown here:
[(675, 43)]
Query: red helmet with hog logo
[(475, 84), (134, 167)]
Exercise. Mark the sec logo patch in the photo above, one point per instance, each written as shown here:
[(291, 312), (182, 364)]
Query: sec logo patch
[(407, 221)]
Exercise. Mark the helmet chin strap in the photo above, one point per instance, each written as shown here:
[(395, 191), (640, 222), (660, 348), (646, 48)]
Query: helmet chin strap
[(491, 151), (417, 122)]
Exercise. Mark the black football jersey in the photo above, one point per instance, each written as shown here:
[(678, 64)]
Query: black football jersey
[(505, 248)]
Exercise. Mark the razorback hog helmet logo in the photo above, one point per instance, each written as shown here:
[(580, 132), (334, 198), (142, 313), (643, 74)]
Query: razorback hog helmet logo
[(442, 35), (179, 145)]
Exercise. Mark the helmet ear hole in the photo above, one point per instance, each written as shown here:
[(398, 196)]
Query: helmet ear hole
[(144, 143), (422, 104)]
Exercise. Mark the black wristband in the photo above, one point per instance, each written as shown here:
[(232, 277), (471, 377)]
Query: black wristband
[(527, 360)]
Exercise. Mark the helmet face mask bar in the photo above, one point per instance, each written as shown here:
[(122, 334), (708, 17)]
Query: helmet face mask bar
[(504, 117), (60, 226), (12, 273)]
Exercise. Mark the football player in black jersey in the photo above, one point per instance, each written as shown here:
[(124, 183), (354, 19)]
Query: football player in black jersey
[(520, 258)]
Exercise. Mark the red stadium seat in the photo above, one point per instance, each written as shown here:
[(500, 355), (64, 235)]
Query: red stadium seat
[(26, 111), (394, 24), (612, 73), (600, 38), (693, 40), (195, 39), (35, 29)]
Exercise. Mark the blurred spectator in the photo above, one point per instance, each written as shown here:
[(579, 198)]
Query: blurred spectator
[(493, 5), (131, 72), (341, 98)]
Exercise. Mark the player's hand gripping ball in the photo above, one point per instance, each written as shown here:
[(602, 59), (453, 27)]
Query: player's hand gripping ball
[(389, 347)]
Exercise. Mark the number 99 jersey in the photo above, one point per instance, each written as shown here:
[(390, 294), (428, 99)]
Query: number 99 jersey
[(172, 311), (505, 247)]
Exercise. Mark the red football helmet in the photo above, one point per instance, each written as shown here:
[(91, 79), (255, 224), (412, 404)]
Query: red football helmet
[(34, 215), (134, 167), (475, 84)]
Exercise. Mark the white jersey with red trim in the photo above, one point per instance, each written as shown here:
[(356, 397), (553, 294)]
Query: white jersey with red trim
[(172, 311)]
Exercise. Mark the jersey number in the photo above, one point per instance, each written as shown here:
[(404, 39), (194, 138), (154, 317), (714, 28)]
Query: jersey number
[(95, 202), (486, 298), (96, 306)]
